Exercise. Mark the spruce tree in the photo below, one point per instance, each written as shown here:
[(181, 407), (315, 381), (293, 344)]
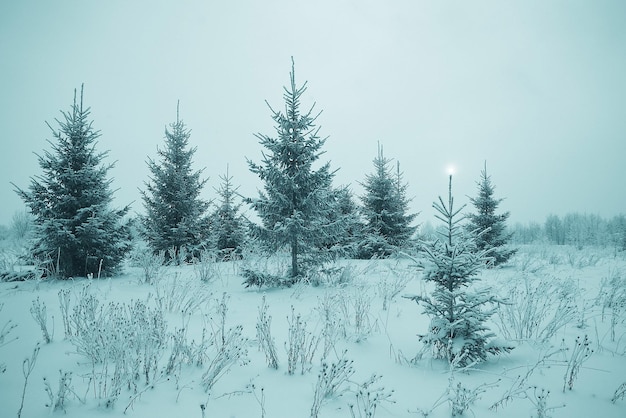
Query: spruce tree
[(175, 216), (458, 311), (492, 226), (385, 211), (77, 233), (295, 206), (229, 226)]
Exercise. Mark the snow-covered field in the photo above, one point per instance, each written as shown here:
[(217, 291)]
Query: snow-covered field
[(556, 294)]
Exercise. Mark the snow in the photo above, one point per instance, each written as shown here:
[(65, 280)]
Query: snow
[(383, 343)]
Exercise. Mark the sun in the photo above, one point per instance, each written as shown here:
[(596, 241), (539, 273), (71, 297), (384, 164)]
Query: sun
[(450, 169)]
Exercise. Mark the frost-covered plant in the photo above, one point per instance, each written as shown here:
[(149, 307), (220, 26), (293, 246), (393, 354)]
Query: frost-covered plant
[(150, 262), (520, 387), (580, 353), (181, 294), (264, 336), (539, 398), (458, 313), (354, 305), (205, 266), (58, 400), (301, 344), (330, 322), (4, 333), (330, 382), (230, 346), (620, 393), (38, 311), (231, 350), (65, 296), (123, 343), (27, 368), (390, 286), (368, 398), (536, 309), (612, 299), (457, 396)]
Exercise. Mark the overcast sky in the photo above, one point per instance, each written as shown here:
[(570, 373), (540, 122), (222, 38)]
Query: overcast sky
[(535, 88)]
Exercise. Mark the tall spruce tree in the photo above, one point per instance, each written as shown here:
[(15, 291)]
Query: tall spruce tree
[(229, 226), (296, 204), (492, 227), (458, 311), (175, 214), (385, 211), (77, 233)]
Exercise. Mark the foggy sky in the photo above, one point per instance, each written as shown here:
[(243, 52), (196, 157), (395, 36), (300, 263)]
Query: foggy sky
[(537, 89)]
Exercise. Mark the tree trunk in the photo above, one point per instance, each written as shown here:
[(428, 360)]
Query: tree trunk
[(294, 258)]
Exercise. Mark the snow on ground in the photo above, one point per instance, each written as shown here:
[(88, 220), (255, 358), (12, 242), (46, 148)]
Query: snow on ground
[(381, 342)]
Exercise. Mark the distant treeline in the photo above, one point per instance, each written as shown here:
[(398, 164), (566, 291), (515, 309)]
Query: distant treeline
[(579, 230)]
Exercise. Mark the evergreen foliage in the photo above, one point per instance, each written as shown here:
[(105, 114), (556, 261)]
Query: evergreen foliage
[(77, 233), (296, 206), (385, 211), (229, 225), (175, 214), (458, 312), (347, 215), (492, 226)]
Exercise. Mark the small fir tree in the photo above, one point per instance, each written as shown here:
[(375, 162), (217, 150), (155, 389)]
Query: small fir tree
[(493, 234), (296, 204), (77, 233), (229, 226), (175, 214), (385, 211), (457, 330)]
